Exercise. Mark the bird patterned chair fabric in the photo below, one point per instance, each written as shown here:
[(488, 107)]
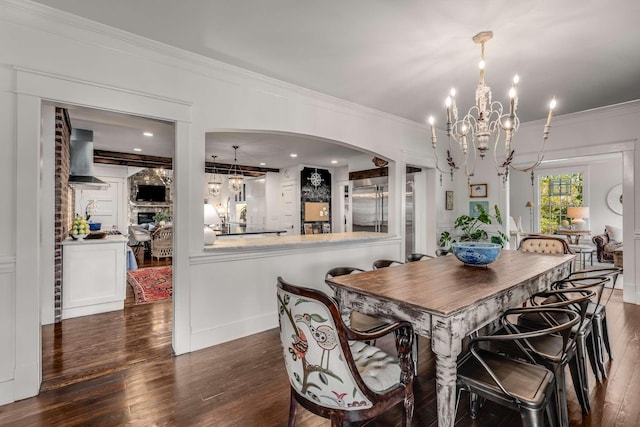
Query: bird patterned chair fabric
[(315, 360), (333, 373)]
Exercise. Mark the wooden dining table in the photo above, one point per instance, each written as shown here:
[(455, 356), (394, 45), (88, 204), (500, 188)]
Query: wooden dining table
[(446, 301)]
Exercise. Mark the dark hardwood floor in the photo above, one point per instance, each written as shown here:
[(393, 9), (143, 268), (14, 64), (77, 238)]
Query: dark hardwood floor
[(133, 379)]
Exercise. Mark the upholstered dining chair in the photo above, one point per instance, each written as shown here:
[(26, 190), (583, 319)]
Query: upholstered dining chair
[(139, 238), (384, 263), (544, 245), (358, 321), (519, 384), (332, 372), (417, 257)]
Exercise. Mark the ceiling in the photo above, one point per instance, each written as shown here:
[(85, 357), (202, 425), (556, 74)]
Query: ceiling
[(402, 57)]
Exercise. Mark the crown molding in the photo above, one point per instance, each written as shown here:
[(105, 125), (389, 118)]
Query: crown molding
[(54, 21)]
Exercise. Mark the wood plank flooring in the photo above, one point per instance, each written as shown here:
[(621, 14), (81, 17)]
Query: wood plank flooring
[(134, 380)]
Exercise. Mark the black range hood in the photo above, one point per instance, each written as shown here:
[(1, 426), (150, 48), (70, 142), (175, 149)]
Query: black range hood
[(81, 157)]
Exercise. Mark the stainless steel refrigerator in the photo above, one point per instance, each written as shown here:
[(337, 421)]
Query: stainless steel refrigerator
[(370, 204)]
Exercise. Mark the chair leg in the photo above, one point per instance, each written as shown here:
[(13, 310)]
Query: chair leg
[(552, 409), (578, 384), (561, 392), (475, 402), (605, 335), (407, 416), (597, 332), (532, 418), (293, 406), (593, 356)]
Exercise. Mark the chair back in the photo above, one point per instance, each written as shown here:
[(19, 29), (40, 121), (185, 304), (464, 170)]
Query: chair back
[(545, 245), (342, 271), (162, 242), (417, 257), (319, 363), (383, 263)]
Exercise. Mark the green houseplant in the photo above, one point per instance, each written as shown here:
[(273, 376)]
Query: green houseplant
[(472, 228), (161, 216)]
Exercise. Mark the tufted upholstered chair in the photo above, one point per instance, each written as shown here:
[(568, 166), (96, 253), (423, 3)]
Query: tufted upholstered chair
[(545, 245), (332, 372)]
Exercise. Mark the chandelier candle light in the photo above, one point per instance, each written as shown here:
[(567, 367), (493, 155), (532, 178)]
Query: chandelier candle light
[(485, 121)]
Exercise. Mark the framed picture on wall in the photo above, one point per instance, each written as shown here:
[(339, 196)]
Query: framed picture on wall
[(448, 200), (474, 210), (478, 190)]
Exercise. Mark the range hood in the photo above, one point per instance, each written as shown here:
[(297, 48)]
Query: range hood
[(81, 157)]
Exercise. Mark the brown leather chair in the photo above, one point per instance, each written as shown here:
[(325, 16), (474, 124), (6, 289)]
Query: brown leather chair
[(332, 372)]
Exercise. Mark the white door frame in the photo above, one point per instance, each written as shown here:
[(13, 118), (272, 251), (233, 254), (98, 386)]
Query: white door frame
[(32, 89)]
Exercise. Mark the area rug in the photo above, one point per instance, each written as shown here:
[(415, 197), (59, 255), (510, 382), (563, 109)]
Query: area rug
[(151, 284)]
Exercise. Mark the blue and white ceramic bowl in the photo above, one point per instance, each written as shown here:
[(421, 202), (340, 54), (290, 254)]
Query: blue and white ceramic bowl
[(476, 254)]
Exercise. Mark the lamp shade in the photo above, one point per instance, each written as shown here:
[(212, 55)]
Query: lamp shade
[(578, 212)]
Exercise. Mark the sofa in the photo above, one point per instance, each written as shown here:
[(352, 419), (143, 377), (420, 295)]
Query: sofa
[(607, 242)]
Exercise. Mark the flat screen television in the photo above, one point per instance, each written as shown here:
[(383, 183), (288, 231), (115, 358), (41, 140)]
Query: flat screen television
[(151, 193)]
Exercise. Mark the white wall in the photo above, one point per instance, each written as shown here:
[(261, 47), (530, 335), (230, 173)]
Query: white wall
[(84, 63)]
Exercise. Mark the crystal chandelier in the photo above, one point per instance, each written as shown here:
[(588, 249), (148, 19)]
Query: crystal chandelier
[(235, 176), (485, 122), (216, 185)]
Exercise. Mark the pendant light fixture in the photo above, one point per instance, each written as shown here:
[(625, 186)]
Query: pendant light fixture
[(235, 175), (216, 184)]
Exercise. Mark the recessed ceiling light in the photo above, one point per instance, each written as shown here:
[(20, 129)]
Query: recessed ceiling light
[(334, 161), (147, 133), (293, 155), (137, 149), (262, 163)]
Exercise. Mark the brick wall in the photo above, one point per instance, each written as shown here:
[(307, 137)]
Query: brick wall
[(64, 201)]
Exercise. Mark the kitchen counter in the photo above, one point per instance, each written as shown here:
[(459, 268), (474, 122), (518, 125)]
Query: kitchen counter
[(110, 238), (94, 275), (292, 240), (237, 230)]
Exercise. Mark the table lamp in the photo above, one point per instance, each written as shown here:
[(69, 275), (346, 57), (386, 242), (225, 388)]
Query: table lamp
[(577, 215), (529, 205)]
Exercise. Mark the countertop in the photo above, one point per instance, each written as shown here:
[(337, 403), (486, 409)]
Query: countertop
[(287, 240), (237, 230), (110, 238)]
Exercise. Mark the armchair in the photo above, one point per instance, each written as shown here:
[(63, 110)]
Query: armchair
[(332, 372), (162, 242), (605, 246)]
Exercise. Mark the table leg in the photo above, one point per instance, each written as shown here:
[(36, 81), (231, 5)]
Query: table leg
[(446, 371), (446, 344)]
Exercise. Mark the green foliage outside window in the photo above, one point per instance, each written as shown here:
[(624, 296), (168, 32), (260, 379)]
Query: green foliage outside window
[(557, 193)]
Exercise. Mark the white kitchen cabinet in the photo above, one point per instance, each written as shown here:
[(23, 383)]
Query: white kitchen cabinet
[(93, 276)]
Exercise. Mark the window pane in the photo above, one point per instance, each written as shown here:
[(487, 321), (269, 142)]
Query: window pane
[(557, 193)]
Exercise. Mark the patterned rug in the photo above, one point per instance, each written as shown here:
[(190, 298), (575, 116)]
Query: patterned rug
[(151, 284)]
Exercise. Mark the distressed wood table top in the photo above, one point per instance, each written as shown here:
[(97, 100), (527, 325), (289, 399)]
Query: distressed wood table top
[(444, 286), (446, 300)]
